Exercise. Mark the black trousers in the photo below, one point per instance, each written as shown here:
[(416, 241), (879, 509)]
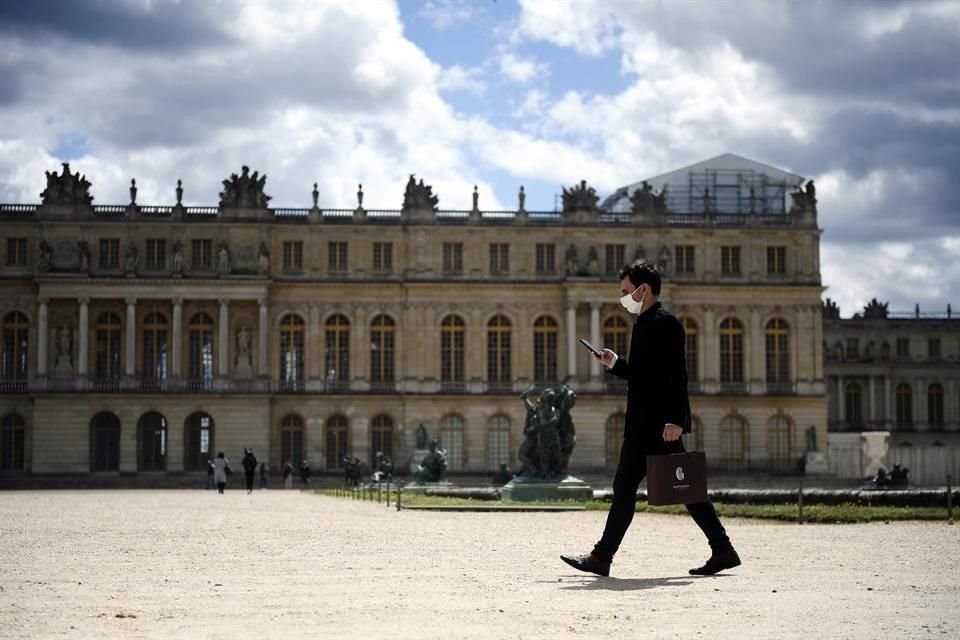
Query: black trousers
[(631, 469), (249, 479)]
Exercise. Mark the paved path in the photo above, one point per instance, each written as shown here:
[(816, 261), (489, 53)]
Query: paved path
[(191, 564)]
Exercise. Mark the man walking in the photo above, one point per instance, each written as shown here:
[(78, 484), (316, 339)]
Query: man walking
[(658, 413), (249, 468)]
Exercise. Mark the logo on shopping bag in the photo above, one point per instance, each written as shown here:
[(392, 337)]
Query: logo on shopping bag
[(679, 474)]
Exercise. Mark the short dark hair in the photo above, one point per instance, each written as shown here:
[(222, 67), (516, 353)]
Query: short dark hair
[(642, 272)]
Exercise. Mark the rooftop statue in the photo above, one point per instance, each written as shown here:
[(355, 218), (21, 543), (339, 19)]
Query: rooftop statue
[(580, 197), (244, 191), (830, 309), (66, 188), (419, 196), (642, 198), (875, 309)]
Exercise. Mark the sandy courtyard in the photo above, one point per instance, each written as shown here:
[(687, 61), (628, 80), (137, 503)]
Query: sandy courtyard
[(191, 564)]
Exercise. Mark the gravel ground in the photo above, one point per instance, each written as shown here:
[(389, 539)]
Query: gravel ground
[(192, 564)]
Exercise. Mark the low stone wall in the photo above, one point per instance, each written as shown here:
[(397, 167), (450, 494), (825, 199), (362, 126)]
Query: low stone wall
[(863, 497)]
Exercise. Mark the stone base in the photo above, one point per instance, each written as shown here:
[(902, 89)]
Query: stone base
[(421, 487), (527, 489), (815, 464), (63, 369), (243, 371), (417, 458)]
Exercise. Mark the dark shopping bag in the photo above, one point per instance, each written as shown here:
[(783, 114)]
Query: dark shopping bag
[(677, 478)]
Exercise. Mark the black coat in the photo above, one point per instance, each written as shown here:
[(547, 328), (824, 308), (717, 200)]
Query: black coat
[(656, 375)]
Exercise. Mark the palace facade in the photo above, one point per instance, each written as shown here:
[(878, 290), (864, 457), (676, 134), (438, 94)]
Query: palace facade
[(144, 339)]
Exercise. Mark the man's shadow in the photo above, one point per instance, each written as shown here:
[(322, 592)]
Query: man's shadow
[(586, 583)]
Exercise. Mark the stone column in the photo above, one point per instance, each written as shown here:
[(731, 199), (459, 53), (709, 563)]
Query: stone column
[(223, 333), (263, 332), (595, 338), (130, 356), (873, 403), (818, 343), (755, 358), (84, 338), (43, 335), (888, 418), (360, 353), (919, 403), (312, 354), (710, 371), (572, 341), (841, 400), (176, 348)]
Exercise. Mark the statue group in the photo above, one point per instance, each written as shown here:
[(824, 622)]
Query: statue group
[(244, 191), (66, 188), (419, 196), (548, 434)]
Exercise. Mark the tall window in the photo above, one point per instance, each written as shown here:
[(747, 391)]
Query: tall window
[(452, 342), (615, 257), (337, 257), (107, 362), (935, 405), (453, 257), (545, 332), (16, 349), (291, 440), (499, 258), (381, 349), (13, 443), (546, 259), (201, 351), (337, 342), (903, 347), (731, 351), (904, 406), (152, 441), (776, 260), (155, 331), (105, 442), (498, 351), (201, 253), (615, 335), (853, 348), (156, 258), (16, 252), (381, 438), (780, 441), (498, 441), (451, 439), (383, 257), (613, 438), (291, 352), (691, 333), (933, 348), (778, 352), (337, 433), (293, 256), (854, 405), (685, 260), (733, 442), (197, 441), (109, 253), (730, 261)]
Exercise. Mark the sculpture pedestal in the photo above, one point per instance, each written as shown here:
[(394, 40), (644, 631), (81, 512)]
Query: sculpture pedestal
[(243, 371), (63, 369), (530, 489), (417, 458), (815, 464), (421, 487)]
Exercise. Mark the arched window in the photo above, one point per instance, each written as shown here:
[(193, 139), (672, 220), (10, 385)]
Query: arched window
[(731, 352), (381, 350), (155, 331), (337, 434), (105, 442), (613, 439), (152, 442), (452, 343), (733, 442), (691, 333), (200, 366), (853, 398), (107, 362), (291, 440), (14, 361), (545, 332), (291, 352), (498, 441), (935, 405), (198, 441), (451, 439), (904, 406), (615, 335), (13, 443), (337, 343), (498, 352), (381, 438), (778, 354), (780, 435)]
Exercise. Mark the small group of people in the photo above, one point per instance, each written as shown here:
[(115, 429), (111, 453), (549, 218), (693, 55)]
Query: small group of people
[(218, 471)]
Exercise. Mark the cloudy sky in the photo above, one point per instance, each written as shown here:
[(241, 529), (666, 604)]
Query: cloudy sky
[(862, 96)]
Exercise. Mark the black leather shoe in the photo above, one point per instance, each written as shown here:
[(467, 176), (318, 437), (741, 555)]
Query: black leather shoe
[(588, 563), (719, 561)]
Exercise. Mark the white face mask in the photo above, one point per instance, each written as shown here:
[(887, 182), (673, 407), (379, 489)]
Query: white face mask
[(632, 305)]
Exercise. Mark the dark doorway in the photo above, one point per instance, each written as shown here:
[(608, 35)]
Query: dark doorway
[(152, 442), (105, 442), (197, 441)]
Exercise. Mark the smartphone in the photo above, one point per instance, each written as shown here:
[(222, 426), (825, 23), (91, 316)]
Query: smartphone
[(592, 348)]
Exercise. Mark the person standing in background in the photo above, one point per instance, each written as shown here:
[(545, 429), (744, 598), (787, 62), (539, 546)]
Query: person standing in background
[(288, 475), (211, 469), (221, 471), (249, 468)]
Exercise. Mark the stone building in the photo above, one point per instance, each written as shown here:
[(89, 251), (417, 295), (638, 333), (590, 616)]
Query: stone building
[(144, 339), (896, 372)]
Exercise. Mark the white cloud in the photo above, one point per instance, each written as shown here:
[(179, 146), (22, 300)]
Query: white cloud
[(521, 70), (443, 14), (457, 78), (586, 25)]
